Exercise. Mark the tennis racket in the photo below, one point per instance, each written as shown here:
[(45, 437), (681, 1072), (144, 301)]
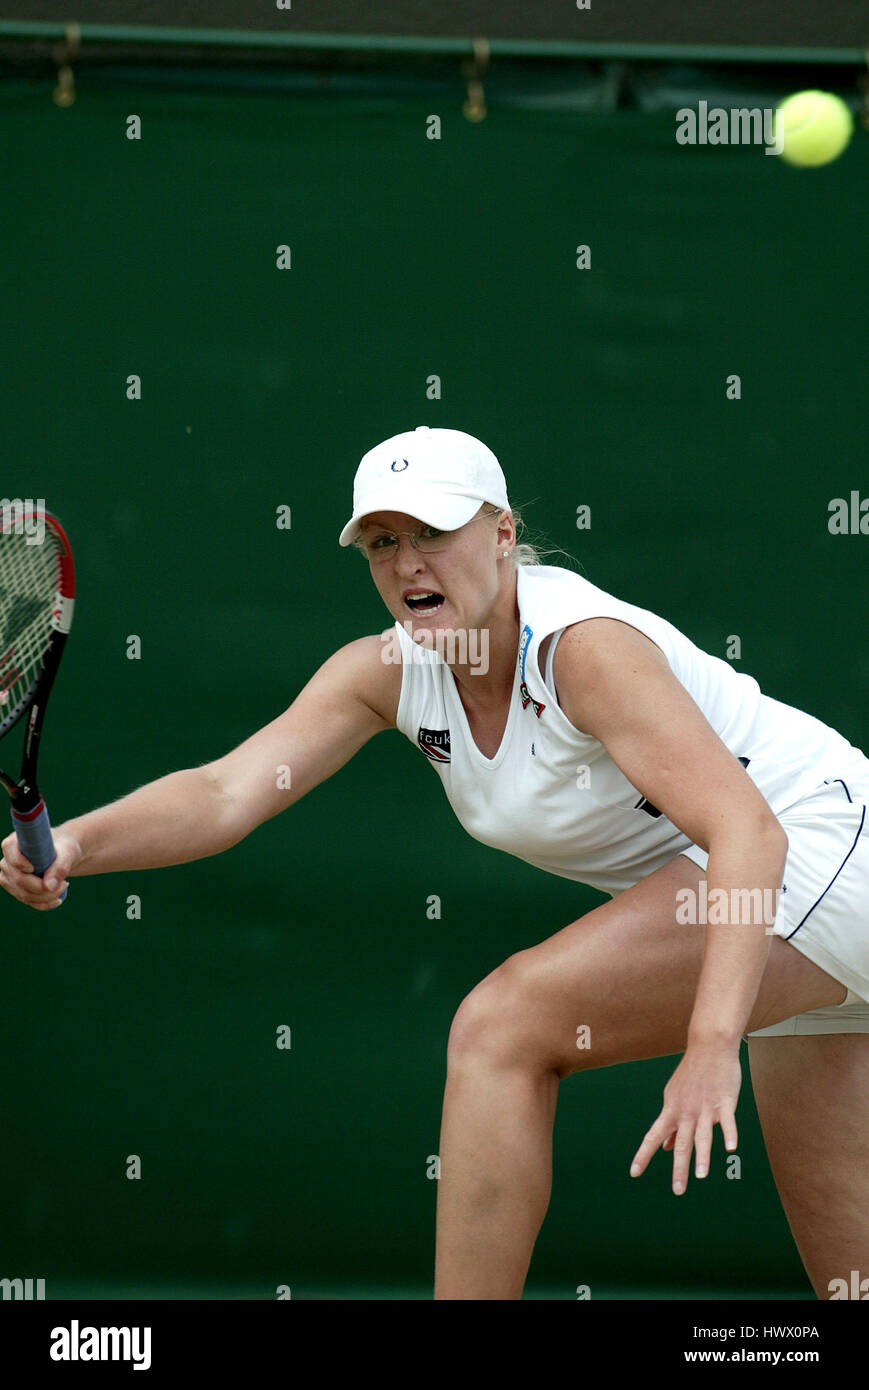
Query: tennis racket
[(37, 592)]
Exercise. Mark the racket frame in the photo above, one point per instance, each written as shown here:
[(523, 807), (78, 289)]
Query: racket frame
[(24, 793)]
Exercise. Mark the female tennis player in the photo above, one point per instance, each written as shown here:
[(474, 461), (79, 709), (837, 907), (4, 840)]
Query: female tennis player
[(591, 738)]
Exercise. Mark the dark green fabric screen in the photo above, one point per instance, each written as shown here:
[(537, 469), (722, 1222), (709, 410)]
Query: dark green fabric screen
[(261, 388)]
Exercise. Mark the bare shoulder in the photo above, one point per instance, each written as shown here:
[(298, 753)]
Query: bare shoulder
[(616, 684), (604, 642), (598, 655), (365, 668)]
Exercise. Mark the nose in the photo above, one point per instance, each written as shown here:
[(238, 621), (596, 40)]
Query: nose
[(408, 559)]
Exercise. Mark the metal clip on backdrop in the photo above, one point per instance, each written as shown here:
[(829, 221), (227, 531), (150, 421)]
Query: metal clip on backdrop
[(474, 106), (63, 54)]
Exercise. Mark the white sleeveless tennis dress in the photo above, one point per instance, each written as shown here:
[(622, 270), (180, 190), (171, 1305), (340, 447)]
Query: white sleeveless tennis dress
[(554, 797)]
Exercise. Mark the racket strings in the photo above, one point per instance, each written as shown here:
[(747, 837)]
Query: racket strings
[(28, 590)]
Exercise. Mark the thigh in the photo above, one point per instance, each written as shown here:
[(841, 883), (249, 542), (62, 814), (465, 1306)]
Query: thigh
[(812, 1096), (619, 984)]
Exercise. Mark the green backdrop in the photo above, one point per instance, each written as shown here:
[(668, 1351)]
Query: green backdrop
[(262, 388)]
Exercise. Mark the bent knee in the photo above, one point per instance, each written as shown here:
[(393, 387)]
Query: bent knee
[(504, 1019)]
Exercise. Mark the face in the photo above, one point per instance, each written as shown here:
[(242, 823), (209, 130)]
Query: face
[(453, 588)]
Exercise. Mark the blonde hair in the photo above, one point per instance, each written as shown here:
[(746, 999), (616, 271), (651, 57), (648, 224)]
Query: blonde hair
[(537, 551), (524, 553)]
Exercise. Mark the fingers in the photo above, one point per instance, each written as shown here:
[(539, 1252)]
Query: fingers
[(682, 1156), (688, 1136), (702, 1147), (660, 1135), (19, 880), (728, 1129)]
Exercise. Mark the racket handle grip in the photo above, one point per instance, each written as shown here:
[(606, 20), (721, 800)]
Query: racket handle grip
[(34, 839)]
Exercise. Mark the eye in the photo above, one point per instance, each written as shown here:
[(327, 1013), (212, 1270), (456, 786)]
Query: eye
[(430, 533), (382, 542)]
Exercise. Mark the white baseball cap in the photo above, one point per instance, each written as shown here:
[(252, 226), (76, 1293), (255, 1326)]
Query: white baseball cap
[(440, 476)]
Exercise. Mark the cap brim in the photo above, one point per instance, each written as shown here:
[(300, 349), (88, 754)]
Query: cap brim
[(444, 511)]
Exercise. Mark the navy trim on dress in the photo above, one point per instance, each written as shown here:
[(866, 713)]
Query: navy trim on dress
[(838, 871), (838, 779)]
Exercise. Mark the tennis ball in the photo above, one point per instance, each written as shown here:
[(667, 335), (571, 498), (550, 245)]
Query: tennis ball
[(814, 128)]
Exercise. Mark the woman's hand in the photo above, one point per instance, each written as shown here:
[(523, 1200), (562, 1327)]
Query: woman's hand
[(18, 878), (701, 1093)]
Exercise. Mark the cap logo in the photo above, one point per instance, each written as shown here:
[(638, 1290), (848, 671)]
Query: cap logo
[(399, 465)]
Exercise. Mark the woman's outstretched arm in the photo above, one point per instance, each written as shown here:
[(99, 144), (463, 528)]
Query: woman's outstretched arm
[(201, 811)]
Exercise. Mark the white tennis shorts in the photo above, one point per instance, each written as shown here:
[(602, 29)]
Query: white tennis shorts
[(824, 905)]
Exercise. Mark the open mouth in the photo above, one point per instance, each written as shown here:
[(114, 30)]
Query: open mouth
[(424, 603)]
